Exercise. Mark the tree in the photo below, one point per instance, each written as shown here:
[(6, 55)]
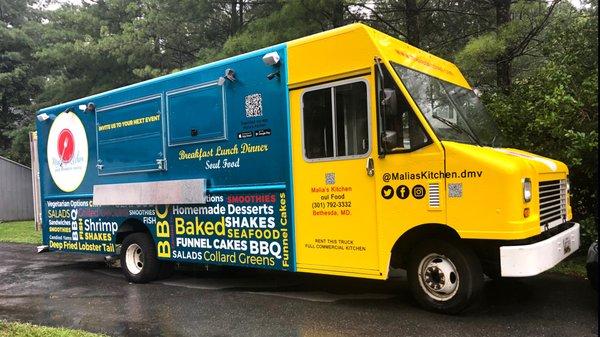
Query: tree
[(553, 109), (536, 60), (13, 13), (16, 87), (293, 20), (517, 26)]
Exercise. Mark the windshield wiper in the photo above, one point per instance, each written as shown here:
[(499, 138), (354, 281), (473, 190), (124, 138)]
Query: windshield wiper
[(458, 128)]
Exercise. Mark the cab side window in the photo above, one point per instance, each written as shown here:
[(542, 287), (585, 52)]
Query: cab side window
[(400, 129), (335, 121)]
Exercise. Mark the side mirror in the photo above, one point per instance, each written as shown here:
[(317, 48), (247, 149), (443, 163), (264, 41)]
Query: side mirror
[(390, 101), (389, 98), (389, 139), (389, 106)]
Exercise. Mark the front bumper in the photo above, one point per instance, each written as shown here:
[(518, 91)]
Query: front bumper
[(532, 259)]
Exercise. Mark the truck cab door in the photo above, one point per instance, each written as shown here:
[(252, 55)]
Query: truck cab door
[(334, 190), (410, 171)]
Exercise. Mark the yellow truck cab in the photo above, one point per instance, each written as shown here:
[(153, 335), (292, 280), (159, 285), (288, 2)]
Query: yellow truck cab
[(345, 153), (433, 191)]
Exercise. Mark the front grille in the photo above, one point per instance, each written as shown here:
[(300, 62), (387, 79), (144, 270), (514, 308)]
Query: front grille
[(553, 203)]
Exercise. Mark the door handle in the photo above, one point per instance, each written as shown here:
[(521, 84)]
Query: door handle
[(370, 167)]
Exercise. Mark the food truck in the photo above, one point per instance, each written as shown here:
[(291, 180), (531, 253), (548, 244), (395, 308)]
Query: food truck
[(345, 153)]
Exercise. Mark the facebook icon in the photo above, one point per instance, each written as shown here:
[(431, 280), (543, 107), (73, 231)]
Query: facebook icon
[(402, 192)]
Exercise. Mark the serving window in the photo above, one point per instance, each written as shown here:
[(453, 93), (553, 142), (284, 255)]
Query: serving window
[(130, 136), (196, 114)]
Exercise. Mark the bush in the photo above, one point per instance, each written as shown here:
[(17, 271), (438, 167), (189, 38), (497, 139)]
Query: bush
[(548, 114)]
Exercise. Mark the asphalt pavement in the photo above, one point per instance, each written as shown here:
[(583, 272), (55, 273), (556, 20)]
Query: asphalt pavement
[(80, 291)]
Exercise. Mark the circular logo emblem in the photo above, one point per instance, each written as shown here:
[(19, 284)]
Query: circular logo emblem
[(402, 192), (387, 192), (66, 145), (67, 151), (418, 191)]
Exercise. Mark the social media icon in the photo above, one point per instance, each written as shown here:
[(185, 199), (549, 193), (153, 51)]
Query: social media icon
[(418, 191), (402, 192), (387, 192)]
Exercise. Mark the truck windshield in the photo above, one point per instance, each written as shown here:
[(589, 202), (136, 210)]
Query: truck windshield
[(454, 113)]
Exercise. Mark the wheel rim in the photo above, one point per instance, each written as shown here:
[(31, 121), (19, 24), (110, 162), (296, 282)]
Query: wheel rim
[(134, 258), (438, 277)]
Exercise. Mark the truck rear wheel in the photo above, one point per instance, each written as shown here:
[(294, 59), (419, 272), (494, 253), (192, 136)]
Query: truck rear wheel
[(444, 276), (138, 258)]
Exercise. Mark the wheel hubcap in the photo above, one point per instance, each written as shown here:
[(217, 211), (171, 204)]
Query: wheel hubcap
[(134, 258), (438, 277)]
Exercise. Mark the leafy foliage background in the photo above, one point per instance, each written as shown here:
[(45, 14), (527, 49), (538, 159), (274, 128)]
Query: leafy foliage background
[(536, 61)]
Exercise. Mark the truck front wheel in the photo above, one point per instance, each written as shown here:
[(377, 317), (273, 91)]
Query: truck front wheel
[(444, 276), (138, 258)]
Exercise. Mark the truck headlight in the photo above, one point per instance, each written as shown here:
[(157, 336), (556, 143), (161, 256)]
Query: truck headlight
[(527, 189)]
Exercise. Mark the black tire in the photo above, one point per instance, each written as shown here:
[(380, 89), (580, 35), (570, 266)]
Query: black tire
[(141, 245), (592, 272), (463, 284)]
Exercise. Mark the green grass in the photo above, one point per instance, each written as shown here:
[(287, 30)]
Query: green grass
[(19, 232), (30, 330), (573, 265)]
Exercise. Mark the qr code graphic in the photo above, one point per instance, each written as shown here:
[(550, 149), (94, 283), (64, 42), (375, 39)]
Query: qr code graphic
[(254, 105), (455, 190), (330, 178)]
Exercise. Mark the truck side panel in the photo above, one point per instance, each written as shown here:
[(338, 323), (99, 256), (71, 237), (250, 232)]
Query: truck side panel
[(190, 125)]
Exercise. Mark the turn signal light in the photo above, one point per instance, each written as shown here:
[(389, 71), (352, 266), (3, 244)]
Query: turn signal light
[(526, 212)]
